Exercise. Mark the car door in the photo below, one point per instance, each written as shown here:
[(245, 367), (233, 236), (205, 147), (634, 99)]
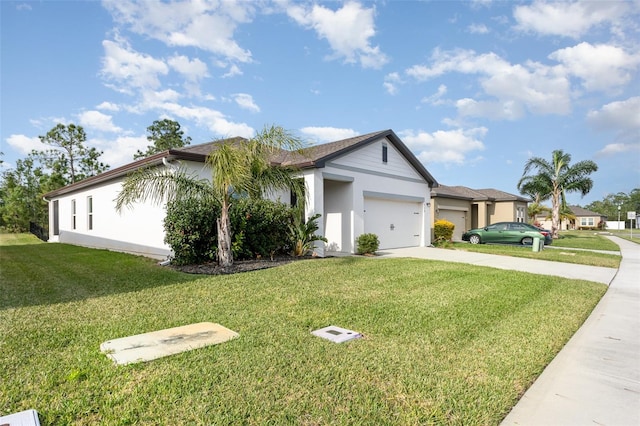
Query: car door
[(495, 233), (517, 231)]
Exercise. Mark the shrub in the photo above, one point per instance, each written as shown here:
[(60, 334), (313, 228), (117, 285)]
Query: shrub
[(190, 230), (303, 234), (367, 244), (443, 231), (260, 228)]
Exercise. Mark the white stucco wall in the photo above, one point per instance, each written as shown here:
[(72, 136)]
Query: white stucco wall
[(136, 229)]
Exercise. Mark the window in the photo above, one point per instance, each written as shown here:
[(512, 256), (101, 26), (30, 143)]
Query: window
[(520, 214), (384, 153), (73, 214), (90, 213), (56, 212), (586, 221)]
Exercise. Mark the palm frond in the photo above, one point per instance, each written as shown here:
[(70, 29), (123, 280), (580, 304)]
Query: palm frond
[(159, 185)]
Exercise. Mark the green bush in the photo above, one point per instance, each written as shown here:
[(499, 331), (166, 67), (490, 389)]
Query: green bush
[(443, 231), (367, 244), (190, 230), (260, 228)]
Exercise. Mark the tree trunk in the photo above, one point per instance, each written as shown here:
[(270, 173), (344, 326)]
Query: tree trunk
[(225, 256), (555, 215)]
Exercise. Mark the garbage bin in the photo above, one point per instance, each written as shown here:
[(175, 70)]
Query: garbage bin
[(538, 244)]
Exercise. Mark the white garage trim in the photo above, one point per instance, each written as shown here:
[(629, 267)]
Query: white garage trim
[(392, 197)]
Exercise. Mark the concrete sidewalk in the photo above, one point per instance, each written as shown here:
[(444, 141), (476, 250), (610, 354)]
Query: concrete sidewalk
[(595, 379)]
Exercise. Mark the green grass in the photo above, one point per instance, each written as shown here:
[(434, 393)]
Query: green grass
[(591, 240), (18, 239), (444, 343), (552, 254)]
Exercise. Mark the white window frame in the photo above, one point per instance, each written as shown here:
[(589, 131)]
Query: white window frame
[(89, 213), (74, 222)]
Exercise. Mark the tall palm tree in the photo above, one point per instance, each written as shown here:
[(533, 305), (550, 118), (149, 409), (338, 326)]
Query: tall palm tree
[(554, 179), (238, 169)]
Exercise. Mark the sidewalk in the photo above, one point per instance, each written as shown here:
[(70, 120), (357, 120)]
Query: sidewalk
[(595, 379)]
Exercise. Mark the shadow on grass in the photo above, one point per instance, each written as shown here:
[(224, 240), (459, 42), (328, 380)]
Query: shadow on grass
[(44, 274)]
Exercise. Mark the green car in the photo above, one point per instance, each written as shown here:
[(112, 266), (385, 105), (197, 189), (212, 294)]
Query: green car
[(506, 233)]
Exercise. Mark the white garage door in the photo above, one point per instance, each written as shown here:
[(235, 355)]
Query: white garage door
[(457, 218), (396, 223)]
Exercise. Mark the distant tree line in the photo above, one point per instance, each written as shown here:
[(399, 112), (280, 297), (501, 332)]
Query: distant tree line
[(609, 205)]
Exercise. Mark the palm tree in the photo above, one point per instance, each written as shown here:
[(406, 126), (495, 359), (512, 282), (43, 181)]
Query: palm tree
[(239, 168), (554, 179)]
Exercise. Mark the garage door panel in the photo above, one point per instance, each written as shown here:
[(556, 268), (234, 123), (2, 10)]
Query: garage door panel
[(458, 218), (396, 223)]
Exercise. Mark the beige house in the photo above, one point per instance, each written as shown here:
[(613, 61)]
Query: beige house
[(585, 219), (470, 208)]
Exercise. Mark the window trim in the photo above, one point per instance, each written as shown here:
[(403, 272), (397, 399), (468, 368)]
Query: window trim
[(90, 213), (74, 222)]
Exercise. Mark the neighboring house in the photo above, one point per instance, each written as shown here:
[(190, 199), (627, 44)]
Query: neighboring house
[(366, 184), (585, 219), (470, 208)]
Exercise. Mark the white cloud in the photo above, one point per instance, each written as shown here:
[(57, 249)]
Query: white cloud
[(97, 121), (445, 146), (108, 106), (25, 144), (391, 82), (233, 71), (328, 134), (601, 67), (619, 148), (128, 69), (436, 98), (515, 88), (209, 26), (620, 115), (245, 101), (623, 118), (119, 151), (347, 30), (478, 29), (214, 120), (569, 19), (192, 70)]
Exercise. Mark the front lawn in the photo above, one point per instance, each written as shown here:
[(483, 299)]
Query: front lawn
[(443, 343), (548, 253), (591, 240)]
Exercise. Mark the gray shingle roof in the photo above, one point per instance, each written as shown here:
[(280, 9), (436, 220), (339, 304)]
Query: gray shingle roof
[(463, 192), (580, 212), (312, 157)]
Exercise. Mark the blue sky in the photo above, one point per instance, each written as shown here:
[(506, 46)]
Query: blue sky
[(473, 88)]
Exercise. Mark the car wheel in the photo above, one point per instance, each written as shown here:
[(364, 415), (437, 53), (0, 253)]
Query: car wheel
[(474, 239), (527, 241)]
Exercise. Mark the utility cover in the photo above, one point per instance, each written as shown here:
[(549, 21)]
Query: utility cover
[(23, 418), (158, 344), (336, 334)]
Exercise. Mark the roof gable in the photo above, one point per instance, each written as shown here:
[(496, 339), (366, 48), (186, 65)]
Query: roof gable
[(317, 156)]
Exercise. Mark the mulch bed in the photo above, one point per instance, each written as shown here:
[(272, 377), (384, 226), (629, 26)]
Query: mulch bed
[(212, 268)]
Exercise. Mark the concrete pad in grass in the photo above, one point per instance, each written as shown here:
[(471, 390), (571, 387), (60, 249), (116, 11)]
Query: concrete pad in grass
[(158, 344), (23, 418)]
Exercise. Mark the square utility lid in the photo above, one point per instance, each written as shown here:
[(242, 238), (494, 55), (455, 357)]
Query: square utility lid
[(336, 334)]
